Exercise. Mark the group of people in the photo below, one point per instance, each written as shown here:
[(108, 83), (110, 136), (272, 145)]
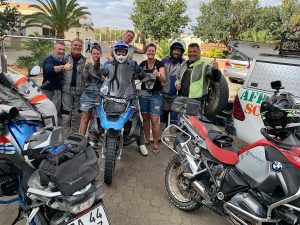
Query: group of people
[(73, 82)]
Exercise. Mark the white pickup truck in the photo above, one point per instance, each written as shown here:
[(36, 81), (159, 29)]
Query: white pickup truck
[(268, 65)]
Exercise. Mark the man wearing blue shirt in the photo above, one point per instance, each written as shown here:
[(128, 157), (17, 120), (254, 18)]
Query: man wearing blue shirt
[(53, 70)]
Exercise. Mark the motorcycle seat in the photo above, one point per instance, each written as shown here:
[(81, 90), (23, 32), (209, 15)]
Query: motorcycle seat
[(219, 144), (222, 140)]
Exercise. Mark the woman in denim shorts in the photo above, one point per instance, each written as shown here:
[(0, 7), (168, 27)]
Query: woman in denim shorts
[(151, 98), (93, 82)]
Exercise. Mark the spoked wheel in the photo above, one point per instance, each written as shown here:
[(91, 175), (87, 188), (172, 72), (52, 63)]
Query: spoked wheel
[(110, 158), (178, 187)]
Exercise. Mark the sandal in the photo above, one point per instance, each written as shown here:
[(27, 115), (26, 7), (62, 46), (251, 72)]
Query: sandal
[(155, 150)]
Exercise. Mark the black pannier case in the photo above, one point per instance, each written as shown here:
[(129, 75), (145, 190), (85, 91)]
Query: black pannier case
[(73, 168)]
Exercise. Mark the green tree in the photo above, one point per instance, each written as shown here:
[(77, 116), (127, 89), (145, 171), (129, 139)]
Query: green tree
[(9, 18), (215, 22), (60, 15), (290, 15), (163, 49), (160, 19), (244, 13), (39, 49)]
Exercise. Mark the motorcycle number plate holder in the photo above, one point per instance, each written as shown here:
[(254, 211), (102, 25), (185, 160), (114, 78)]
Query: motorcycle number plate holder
[(95, 216)]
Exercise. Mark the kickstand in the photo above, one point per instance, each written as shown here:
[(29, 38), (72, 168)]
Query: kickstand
[(20, 212)]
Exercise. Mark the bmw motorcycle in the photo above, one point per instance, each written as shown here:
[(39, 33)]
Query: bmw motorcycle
[(22, 143), (119, 119), (258, 184)]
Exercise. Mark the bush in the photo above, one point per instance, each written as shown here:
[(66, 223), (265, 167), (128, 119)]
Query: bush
[(25, 62), (39, 50), (215, 53)]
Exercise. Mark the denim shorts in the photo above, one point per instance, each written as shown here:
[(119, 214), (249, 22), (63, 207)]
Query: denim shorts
[(88, 101), (152, 104)]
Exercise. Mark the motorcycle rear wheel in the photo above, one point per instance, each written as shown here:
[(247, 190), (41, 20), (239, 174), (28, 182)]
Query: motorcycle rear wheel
[(110, 159), (179, 197)]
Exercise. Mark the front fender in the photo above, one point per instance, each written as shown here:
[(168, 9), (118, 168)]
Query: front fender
[(118, 124)]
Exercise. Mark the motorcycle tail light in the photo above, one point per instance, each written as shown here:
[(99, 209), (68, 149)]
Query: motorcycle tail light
[(238, 112), (78, 208)]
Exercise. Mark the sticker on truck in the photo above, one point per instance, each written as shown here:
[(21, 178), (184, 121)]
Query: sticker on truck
[(254, 99)]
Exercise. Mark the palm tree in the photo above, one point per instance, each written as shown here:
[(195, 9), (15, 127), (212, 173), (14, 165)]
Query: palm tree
[(60, 15)]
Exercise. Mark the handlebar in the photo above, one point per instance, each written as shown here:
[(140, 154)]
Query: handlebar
[(118, 98)]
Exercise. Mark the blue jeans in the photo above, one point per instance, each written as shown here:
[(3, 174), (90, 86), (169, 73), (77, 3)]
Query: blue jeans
[(88, 101), (152, 104)]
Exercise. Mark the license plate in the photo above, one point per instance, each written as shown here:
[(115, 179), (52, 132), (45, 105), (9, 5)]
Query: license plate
[(96, 216), (238, 66)]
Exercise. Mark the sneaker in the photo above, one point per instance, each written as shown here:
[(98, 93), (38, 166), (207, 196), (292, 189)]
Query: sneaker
[(143, 150)]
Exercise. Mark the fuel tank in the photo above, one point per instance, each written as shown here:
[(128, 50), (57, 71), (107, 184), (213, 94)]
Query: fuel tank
[(266, 169), (255, 167), (12, 140)]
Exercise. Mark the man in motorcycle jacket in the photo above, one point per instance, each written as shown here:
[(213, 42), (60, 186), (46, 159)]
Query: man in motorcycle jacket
[(195, 74), (73, 85), (172, 66), (121, 75)]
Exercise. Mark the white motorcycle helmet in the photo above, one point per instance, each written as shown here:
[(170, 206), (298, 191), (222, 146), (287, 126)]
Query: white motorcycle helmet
[(178, 43), (120, 58)]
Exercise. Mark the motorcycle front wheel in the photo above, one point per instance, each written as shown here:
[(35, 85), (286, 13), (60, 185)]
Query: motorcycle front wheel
[(110, 158), (178, 188)]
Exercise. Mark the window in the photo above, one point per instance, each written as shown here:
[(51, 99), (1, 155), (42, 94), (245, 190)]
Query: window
[(47, 32), (237, 56)]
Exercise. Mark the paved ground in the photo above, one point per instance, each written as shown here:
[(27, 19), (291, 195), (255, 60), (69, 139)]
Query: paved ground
[(136, 196)]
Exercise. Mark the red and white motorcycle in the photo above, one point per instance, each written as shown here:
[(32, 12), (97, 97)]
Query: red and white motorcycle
[(258, 184)]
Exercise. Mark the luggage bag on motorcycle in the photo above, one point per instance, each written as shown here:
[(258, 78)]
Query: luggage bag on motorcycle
[(186, 105), (70, 166)]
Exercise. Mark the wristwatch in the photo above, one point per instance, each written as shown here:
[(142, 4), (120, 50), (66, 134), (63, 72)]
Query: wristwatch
[(62, 67)]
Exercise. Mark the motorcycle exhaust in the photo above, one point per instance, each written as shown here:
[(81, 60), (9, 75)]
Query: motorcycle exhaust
[(200, 188)]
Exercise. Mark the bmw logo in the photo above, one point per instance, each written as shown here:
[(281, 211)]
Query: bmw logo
[(277, 166)]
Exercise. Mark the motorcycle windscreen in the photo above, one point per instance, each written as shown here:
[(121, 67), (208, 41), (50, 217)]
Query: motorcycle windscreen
[(117, 123)]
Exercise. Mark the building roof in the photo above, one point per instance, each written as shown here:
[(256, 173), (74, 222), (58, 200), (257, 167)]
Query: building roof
[(23, 8)]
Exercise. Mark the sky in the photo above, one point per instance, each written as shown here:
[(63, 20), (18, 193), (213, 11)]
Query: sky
[(116, 13)]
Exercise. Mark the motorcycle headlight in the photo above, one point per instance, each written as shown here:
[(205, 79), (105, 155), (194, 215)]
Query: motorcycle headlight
[(77, 208)]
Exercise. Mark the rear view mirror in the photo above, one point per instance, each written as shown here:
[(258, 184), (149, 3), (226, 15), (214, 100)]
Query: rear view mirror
[(276, 85), (35, 71)]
